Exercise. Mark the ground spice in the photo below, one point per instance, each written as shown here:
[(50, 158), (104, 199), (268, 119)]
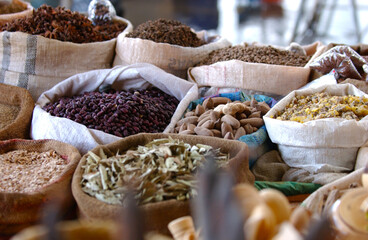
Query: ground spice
[(256, 54), (8, 113), (64, 25), (25, 171), (167, 31)]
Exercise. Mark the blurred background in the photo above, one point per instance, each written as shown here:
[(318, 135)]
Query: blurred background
[(276, 22)]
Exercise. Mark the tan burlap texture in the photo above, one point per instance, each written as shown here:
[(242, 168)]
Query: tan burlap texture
[(19, 210), (157, 215), (17, 96)]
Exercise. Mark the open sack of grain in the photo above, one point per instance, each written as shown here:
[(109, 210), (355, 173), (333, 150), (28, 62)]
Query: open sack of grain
[(39, 60), (168, 44), (320, 130), (163, 192), (144, 99), (16, 106), (267, 69), (35, 173)]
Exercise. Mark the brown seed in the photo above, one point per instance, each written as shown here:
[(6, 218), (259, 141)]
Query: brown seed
[(231, 121), (191, 126), (203, 131), (225, 128), (208, 103), (208, 124), (189, 114), (255, 122), (255, 115), (199, 110), (205, 114), (215, 115), (229, 135), (192, 120), (220, 100), (239, 132), (187, 132), (203, 121), (248, 128), (263, 107), (216, 133)]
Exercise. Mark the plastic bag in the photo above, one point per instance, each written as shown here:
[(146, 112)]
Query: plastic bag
[(345, 62)]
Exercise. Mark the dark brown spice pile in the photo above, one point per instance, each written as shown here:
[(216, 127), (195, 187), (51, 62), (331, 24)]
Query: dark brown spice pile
[(167, 31), (121, 113), (11, 8), (64, 25), (256, 54)]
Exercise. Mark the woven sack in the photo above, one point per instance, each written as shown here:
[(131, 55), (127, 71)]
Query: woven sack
[(37, 63), (171, 58), (11, 16), (265, 78), (136, 76), (158, 215), (20, 97), (19, 210)]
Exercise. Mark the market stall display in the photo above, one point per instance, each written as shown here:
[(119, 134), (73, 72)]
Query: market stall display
[(34, 173), (163, 204), (266, 69), (168, 44), (37, 58)]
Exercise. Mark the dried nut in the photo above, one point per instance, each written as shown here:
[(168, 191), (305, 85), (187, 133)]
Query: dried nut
[(216, 133), (219, 108), (205, 114), (203, 131), (261, 224), (187, 132), (215, 115), (255, 114), (231, 121), (203, 120), (247, 110), (225, 128), (229, 135), (220, 100), (247, 196), (278, 202), (233, 108), (263, 107), (253, 103), (199, 110), (239, 132), (192, 120), (208, 103), (255, 129), (246, 103), (189, 114), (208, 124), (183, 127), (191, 126), (248, 128), (242, 116), (218, 124), (300, 218), (255, 122)]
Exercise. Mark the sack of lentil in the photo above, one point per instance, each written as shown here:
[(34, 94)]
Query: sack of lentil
[(320, 129), (33, 174), (16, 107), (162, 192), (267, 69), (168, 44), (14, 10), (38, 62), (144, 98)]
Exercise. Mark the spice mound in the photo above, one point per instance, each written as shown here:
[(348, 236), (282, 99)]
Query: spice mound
[(121, 113), (12, 8), (167, 31), (162, 169), (64, 25), (27, 171), (8, 113), (323, 105), (256, 54)]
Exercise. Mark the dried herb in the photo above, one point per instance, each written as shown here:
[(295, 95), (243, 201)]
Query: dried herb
[(162, 169), (167, 31), (12, 8), (64, 25)]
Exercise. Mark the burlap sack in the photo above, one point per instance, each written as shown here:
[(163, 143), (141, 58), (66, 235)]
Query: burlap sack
[(19, 210), (10, 16), (266, 78), (37, 63), (158, 215), (361, 85), (171, 58), (19, 97), (323, 145), (136, 76)]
